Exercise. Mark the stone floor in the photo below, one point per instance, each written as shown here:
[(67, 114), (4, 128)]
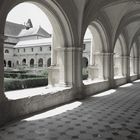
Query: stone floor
[(111, 115)]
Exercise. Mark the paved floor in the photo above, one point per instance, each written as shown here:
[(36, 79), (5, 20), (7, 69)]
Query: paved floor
[(112, 115)]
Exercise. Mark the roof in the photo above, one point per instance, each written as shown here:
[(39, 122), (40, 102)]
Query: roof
[(34, 31), (13, 29), (34, 43)]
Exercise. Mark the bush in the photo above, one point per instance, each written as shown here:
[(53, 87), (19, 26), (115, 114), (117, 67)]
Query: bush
[(35, 82), (20, 76), (14, 84)]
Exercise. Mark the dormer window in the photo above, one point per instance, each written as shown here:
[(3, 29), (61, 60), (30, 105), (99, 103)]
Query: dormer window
[(6, 51)]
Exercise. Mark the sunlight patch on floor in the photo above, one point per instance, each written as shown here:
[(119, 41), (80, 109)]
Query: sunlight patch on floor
[(56, 111), (105, 93), (137, 81), (126, 85)]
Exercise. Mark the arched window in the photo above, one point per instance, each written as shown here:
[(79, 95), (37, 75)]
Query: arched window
[(24, 61), (6, 51), (4, 63), (49, 62), (32, 62), (40, 62), (9, 64)]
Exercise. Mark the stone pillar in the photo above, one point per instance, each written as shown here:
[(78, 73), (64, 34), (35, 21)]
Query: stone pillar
[(139, 67), (67, 68), (128, 69), (136, 67), (125, 66), (2, 96), (108, 65), (96, 69)]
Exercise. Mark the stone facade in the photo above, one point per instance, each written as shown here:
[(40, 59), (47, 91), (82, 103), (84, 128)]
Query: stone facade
[(27, 49), (30, 49)]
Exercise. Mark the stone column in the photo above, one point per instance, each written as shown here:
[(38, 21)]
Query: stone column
[(125, 71), (108, 65), (139, 67), (128, 69), (96, 69), (68, 68), (2, 96), (136, 67)]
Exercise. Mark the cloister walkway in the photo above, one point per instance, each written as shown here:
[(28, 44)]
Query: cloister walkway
[(110, 115)]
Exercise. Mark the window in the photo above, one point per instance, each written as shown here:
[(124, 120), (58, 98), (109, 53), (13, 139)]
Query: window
[(4, 63), (41, 49), (9, 64), (50, 48), (24, 50), (32, 62), (49, 62), (40, 62), (32, 49), (24, 62), (6, 51)]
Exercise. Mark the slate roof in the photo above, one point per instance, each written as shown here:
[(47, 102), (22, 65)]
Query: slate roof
[(13, 29), (34, 31)]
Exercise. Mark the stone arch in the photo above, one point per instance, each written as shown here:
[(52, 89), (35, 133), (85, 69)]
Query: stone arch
[(99, 36), (63, 36), (120, 52), (127, 19), (99, 48)]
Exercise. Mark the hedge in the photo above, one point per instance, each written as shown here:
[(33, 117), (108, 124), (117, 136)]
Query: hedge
[(20, 76), (15, 84)]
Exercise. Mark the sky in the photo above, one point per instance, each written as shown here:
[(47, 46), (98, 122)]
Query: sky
[(22, 12)]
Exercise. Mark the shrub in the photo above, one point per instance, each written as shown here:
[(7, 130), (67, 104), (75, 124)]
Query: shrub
[(20, 76), (14, 84), (35, 82)]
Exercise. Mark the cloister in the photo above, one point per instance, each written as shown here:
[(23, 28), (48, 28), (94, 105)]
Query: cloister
[(114, 52)]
